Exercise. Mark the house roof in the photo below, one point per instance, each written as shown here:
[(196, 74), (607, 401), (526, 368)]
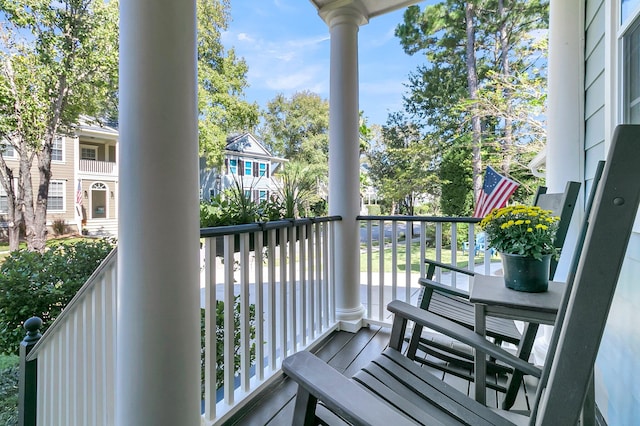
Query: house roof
[(247, 144), (92, 127)]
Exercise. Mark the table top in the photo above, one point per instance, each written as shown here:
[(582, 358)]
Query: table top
[(491, 291)]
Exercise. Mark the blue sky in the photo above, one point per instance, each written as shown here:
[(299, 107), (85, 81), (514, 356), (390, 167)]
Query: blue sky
[(286, 46)]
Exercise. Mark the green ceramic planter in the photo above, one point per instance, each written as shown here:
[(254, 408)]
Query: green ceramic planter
[(524, 273)]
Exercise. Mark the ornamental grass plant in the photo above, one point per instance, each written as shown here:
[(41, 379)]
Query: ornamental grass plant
[(522, 230)]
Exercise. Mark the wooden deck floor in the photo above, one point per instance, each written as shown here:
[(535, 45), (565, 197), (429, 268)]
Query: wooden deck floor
[(348, 353)]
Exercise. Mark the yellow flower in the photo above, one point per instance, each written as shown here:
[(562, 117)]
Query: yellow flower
[(529, 229), (519, 222)]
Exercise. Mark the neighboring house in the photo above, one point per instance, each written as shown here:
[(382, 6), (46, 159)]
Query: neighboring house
[(246, 162), (83, 190)]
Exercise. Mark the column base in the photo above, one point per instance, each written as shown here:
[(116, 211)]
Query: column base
[(350, 319)]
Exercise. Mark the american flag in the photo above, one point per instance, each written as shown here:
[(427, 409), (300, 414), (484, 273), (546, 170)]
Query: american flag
[(496, 190), (79, 198)]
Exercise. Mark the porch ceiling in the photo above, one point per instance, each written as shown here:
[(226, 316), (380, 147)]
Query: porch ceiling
[(371, 8)]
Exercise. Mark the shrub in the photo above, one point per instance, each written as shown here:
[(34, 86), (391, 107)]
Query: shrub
[(59, 227), (9, 395), (220, 367), (374, 209), (41, 284)]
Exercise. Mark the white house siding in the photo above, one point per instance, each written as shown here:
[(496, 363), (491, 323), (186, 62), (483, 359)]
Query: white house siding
[(618, 366)]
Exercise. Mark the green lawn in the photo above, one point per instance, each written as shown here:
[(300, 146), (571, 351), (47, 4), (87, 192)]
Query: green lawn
[(4, 246), (415, 258)]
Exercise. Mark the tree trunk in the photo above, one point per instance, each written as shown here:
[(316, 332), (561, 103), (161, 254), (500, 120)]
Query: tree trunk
[(39, 235), (472, 81), (507, 142), (14, 217)]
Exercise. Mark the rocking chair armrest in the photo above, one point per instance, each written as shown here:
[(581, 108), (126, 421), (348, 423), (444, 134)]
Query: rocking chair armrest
[(442, 288), (337, 392), (449, 267), (403, 311)]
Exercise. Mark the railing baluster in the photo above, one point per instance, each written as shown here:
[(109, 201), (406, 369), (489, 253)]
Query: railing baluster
[(394, 260), (292, 299), (423, 248), (381, 304), (245, 355), (438, 249), (454, 252), (303, 284), (311, 311), (369, 268), (282, 308), (407, 257), (318, 281), (326, 274), (271, 299), (259, 305), (229, 308), (210, 328)]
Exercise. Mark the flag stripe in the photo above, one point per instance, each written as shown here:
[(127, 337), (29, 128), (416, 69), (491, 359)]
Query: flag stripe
[(496, 190)]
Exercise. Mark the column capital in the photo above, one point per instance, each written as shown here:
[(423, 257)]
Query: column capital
[(344, 12)]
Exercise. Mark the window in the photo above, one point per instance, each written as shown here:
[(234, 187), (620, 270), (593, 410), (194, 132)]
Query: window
[(233, 167), (247, 194), (632, 70), (627, 8), (248, 168), (7, 150), (88, 153), (4, 201), (56, 150), (262, 169), (262, 196), (56, 196)]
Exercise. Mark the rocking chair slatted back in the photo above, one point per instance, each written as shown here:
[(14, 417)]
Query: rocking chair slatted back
[(582, 318)]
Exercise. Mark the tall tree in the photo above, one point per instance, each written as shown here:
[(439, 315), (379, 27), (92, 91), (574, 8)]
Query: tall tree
[(474, 86), (297, 128), (222, 79), (402, 165), (447, 32), (58, 59)]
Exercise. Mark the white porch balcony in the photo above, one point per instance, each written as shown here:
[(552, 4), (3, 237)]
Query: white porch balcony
[(98, 167), (267, 291)]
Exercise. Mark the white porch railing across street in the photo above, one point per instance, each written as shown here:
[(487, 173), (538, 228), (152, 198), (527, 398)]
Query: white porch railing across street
[(276, 281), (99, 167)]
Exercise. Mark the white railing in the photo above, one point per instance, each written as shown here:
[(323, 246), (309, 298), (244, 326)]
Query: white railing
[(393, 253), (99, 167), (276, 282), (279, 275), (76, 355)]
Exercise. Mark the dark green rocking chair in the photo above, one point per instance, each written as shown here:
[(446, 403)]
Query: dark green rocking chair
[(394, 390)]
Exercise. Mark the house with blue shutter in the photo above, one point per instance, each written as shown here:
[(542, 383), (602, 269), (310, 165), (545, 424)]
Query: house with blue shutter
[(247, 162)]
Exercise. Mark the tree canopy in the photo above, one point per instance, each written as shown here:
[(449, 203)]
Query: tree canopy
[(481, 89), (222, 79), (58, 60)]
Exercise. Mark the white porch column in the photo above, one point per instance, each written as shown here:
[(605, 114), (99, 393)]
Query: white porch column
[(565, 123), (158, 339), (565, 115), (344, 165)]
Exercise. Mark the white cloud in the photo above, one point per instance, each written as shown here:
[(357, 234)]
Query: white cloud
[(302, 79), (245, 37)]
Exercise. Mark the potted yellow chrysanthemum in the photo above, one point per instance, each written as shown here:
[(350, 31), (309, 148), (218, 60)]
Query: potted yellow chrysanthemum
[(524, 236)]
